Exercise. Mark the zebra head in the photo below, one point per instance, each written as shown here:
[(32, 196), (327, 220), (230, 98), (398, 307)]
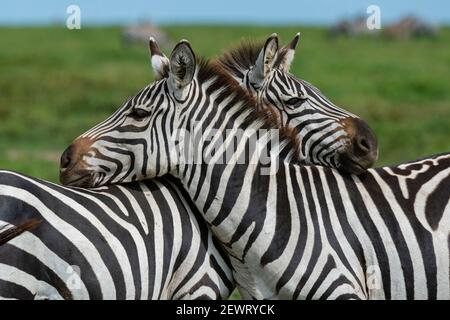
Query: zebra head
[(120, 148), (136, 142), (330, 135)]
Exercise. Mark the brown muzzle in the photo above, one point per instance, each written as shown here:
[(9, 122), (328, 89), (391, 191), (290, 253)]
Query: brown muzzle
[(362, 151), (72, 169)]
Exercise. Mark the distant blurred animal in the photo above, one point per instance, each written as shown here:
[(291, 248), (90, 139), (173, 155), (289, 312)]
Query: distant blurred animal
[(351, 27), (407, 27), (140, 34), (410, 27)]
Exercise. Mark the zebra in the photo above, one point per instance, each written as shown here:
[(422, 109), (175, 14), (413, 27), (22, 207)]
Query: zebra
[(133, 241), (299, 232), (348, 143), (336, 138), (152, 194), (331, 136)]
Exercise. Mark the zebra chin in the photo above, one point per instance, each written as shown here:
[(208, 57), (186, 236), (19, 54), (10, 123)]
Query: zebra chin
[(82, 179), (356, 165)]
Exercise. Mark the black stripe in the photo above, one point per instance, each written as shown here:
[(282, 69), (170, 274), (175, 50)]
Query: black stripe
[(283, 225), (317, 247)]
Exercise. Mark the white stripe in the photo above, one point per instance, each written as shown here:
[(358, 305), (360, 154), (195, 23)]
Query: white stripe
[(177, 233), (158, 242), (136, 208)]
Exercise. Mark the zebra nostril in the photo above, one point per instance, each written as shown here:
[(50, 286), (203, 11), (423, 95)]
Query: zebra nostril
[(66, 158), (364, 142), (363, 145)]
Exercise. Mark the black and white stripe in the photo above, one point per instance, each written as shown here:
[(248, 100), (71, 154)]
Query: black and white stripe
[(157, 187), (134, 241), (303, 231), (331, 136)]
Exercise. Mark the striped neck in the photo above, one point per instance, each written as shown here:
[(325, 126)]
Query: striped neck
[(224, 133)]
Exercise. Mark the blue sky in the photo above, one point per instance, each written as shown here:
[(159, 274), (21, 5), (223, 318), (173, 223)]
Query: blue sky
[(322, 12)]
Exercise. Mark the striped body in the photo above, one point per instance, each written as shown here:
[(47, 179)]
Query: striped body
[(313, 233), (300, 232), (135, 241), (406, 201)]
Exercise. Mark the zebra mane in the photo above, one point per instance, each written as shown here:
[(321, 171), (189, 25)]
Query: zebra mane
[(222, 80), (243, 56)]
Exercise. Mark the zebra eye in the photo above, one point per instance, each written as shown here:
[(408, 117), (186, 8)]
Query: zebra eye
[(139, 114), (296, 101)]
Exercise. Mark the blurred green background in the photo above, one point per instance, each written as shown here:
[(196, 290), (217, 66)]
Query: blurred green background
[(56, 83)]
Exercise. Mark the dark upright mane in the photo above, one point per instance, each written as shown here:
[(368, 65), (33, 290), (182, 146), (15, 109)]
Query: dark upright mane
[(208, 70), (242, 57)]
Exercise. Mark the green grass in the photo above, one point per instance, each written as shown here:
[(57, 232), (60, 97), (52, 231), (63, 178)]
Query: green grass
[(56, 83)]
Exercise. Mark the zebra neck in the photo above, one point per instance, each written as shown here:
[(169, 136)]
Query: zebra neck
[(231, 151)]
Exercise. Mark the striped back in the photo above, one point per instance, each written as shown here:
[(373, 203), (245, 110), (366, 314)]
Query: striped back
[(115, 242)]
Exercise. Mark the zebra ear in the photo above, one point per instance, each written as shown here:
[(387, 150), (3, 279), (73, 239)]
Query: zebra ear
[(159, 61), (182, 65), (264, 63), (286, 55)]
